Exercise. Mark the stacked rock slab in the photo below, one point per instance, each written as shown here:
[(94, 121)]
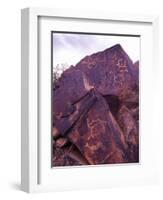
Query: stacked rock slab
[(97, 135), (88, 104)]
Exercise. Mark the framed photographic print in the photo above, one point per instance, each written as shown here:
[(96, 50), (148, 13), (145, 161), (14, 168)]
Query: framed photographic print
[(88, 117), (95, 101)]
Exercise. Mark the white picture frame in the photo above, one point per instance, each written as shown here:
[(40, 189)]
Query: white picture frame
[(36, 172)]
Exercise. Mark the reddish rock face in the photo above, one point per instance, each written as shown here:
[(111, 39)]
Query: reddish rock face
[(129, 126), (110, 71), (136, 72), (97, 135), (70, 88), (93, 103), (67, 156)]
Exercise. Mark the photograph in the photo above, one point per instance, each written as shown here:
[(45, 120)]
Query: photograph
[(94, 98)]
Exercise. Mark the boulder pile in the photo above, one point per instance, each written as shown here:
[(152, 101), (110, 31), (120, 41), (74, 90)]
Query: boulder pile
[(96, 111)]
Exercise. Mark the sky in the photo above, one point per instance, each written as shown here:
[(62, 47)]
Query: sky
[(70, 48)]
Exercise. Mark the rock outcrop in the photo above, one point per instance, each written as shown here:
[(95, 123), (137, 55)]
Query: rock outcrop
[(95, 111)]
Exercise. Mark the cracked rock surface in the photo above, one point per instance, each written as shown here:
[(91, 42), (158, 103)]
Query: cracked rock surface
[(96, 111)]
